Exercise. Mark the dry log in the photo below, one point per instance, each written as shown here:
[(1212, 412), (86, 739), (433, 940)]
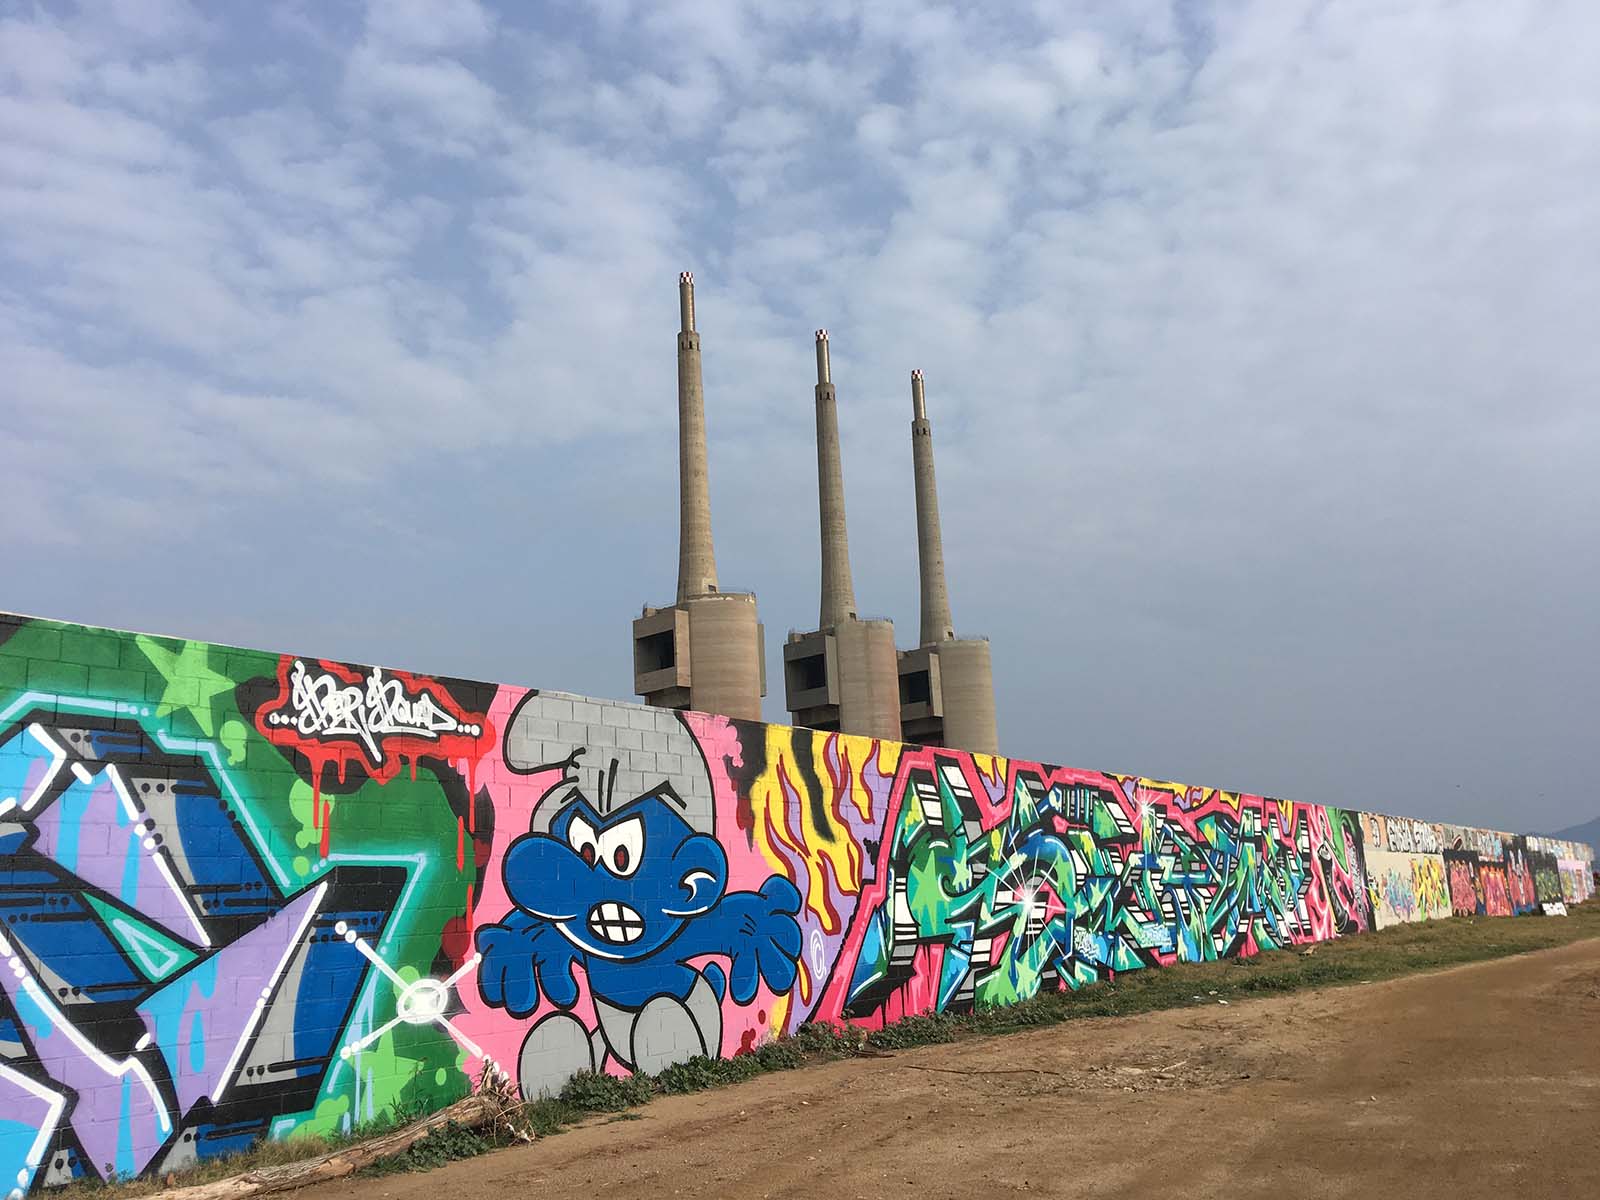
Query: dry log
[(468, 1113)]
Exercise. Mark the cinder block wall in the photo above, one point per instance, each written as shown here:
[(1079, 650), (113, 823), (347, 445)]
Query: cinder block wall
[(246, 894)]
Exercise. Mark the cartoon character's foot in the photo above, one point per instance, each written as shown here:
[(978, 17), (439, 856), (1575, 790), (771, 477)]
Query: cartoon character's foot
[(555, 1050), (668, 1030)]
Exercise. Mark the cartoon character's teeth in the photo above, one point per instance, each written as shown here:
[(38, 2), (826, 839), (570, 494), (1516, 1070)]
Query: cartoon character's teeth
[(615, 923)]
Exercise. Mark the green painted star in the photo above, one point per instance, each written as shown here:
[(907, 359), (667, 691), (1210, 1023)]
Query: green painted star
[(191, 683)]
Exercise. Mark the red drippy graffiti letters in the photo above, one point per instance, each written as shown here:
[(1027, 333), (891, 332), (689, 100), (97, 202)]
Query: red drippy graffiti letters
[(383, 719), (335, 714)]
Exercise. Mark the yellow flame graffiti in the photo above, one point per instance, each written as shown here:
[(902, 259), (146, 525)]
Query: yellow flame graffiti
[(785, 814)]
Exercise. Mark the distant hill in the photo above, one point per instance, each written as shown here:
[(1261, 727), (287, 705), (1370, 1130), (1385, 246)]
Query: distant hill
[(1589, 832)]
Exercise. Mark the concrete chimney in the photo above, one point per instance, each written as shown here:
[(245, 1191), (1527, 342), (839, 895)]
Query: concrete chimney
[(845, 674), (706, 651), (946, 683), (838, 594), (697, 561), (936, 623)]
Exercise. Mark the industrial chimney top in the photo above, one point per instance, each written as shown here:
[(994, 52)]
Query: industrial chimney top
[(686, 301)]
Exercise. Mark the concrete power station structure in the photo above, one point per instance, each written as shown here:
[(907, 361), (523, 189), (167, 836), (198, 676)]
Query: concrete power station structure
[(946, 683), (706, 651), (843, 675)]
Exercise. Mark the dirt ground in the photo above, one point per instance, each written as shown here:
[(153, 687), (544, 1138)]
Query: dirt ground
[(1479, 1081)]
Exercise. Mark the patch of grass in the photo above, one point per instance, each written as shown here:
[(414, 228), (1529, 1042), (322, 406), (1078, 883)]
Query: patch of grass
[(263, 1154), (547, 1117), (823, 1040), (295, 1148), (698, 1073), (446, 1144), (781, 1055), (927, 1029), (1403, 950), (592, 1092)]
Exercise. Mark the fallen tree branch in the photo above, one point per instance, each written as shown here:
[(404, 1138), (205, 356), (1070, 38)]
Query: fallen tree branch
[(468, 1114)]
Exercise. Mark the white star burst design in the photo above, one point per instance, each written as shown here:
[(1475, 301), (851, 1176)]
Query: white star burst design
[(420, 1003)]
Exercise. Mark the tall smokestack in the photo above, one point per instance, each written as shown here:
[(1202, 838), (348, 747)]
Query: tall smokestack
[(936, 623), (705, 651), (838, 595), (697, 562)]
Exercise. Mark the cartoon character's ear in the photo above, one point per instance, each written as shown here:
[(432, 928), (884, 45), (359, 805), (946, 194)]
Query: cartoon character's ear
[(700, 871)]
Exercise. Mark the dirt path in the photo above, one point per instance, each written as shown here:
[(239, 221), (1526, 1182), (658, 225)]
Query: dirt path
[(1480, 1081)]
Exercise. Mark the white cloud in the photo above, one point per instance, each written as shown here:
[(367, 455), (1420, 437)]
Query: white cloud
[(436, 104), (155, 21), (289, 156), (430, 24), (40, 56), (1245, 325), (173, 87)]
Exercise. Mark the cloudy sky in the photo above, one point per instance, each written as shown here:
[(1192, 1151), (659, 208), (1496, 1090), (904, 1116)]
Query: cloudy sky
[(1261, 346)]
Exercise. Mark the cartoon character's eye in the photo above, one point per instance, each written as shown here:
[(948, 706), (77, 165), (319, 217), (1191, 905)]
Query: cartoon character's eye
[(622, 846), (581, 837)]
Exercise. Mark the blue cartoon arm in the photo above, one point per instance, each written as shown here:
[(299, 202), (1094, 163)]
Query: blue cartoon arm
[(521, 955), (756, 931)]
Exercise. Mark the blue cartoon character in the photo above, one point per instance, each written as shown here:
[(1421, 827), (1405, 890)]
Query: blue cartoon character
[(623, 877)]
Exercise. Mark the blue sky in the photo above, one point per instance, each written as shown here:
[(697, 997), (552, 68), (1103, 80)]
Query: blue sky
[(1259, 341)]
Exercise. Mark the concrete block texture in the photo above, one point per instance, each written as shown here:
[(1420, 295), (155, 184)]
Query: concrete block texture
[(585, 752)]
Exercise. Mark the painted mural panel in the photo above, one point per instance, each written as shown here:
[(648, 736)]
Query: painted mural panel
[(993, 883), (1406, 877), (1406, 887), (1402, 835), (1461, 877), (244, 894), (1478, 886), (222, 873), (1573, 869), (627, 924), (1577, 880)]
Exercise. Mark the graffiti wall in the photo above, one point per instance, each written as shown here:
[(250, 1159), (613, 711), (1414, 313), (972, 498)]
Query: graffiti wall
[(1577, 879), (1406, 887), (1406, 873), (247, 895)]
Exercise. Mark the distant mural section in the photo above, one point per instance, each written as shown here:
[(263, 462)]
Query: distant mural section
[(248, 895), (1405, 870)]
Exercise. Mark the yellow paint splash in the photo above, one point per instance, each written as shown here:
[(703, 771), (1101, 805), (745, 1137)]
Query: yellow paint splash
[(780, 1004), (992, 767), (830, 855)]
